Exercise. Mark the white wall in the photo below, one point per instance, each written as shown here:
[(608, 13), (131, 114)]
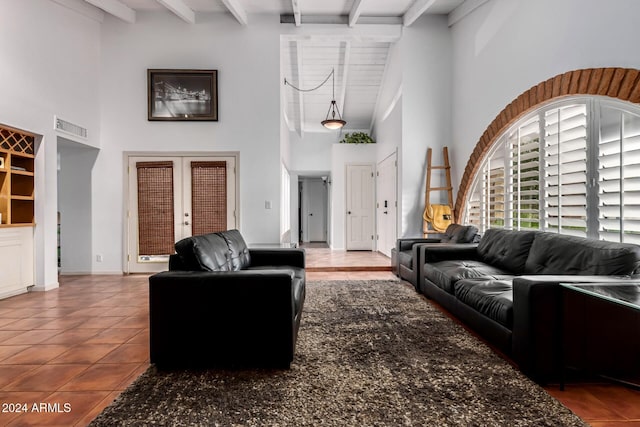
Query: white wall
[(389, 140), (505, 47), (312, 152), (51, 66), (426, 111), (248, 106), (387, 129)]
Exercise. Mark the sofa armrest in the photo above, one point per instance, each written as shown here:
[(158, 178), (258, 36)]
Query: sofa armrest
[(430, 252), (295, 257), (176, 263), (408, 243), (199, 317), (537, 317)]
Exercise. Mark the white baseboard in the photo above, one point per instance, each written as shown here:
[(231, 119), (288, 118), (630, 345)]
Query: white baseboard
[(91, 273)]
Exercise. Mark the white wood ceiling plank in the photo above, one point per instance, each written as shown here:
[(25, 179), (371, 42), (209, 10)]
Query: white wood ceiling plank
[(346, 60), (301, 106)]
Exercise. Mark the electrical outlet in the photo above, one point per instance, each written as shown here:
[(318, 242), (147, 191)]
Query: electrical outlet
[(98, 258)]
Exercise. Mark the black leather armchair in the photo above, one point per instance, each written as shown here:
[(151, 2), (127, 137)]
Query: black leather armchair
[(222, 304)]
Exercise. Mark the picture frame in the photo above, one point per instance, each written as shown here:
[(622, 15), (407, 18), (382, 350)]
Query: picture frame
[(182, 95)]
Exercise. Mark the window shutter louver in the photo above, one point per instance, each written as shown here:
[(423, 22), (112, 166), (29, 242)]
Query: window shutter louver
[(475, 207), (619, 176), (524, 148), (496, 197), (565, 170)]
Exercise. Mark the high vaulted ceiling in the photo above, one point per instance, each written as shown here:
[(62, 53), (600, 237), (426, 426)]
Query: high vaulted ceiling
[(358, 62)]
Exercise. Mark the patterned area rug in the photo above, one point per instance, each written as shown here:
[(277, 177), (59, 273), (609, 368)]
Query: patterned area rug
[(369, 353)]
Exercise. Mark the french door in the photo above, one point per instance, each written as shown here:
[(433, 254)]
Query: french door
[(175, 197)]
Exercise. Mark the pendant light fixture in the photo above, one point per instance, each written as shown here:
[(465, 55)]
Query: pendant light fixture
[(333, 120)]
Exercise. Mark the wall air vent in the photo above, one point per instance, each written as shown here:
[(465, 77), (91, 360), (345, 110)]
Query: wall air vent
[(70, 128)]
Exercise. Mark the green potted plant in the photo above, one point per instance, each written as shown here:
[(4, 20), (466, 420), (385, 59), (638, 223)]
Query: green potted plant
[(357, 138)]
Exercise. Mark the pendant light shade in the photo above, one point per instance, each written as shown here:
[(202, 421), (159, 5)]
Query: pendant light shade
[(333, 122), (334, 119)]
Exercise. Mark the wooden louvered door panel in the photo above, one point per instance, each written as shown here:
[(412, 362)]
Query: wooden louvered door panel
[(175, 197), (209, 194)]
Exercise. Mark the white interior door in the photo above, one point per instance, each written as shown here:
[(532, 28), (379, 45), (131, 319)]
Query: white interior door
[(360, 207), (386, 204), (174, 197)]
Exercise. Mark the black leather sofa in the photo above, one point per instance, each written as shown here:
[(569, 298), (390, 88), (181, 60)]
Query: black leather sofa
[(405, 256), (507, 287), (223, 304)]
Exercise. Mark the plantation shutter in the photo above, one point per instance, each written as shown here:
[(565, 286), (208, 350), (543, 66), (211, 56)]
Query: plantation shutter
[(524, 149), (155, 208), (496, 197), (208, 196), (619, 176), (475, 207), (565, 170)]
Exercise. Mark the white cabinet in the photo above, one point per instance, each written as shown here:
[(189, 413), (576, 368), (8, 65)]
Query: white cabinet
[(16, 260)]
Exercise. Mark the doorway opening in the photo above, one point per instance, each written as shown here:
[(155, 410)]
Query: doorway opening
[(75, 168), (313, 209)]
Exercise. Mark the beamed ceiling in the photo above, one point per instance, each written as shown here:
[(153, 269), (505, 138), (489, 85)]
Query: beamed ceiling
[(358, 58)]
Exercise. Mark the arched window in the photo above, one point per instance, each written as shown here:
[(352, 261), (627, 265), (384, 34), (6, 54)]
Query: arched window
[(570, 166)]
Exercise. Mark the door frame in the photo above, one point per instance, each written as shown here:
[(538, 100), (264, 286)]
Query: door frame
[(126, 233), (394, 233), (304, 208)]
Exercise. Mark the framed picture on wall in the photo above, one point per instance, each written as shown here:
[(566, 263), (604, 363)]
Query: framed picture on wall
[(182, 95)]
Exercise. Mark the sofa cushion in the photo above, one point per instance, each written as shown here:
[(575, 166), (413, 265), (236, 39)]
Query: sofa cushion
[(491, 297), (553, 253), (240, 258), (206, 252), (406, 258), (506, 249), (456, 233), (445, 274)]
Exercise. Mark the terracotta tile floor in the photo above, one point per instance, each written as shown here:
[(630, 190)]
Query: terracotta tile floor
[(72, 350)]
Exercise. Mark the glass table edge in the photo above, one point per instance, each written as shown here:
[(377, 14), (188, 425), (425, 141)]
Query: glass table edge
[(579, 287)]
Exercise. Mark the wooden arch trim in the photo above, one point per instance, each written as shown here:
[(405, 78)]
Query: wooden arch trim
[(620, 83)]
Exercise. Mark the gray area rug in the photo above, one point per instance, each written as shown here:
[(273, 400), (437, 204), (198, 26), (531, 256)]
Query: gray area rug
[(369, 353)]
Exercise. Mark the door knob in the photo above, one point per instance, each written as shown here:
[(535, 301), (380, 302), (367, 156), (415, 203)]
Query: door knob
[(385, 212), (186, 223), (348, 212)]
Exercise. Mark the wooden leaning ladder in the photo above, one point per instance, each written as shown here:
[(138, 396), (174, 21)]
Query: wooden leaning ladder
[(429, 189)]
